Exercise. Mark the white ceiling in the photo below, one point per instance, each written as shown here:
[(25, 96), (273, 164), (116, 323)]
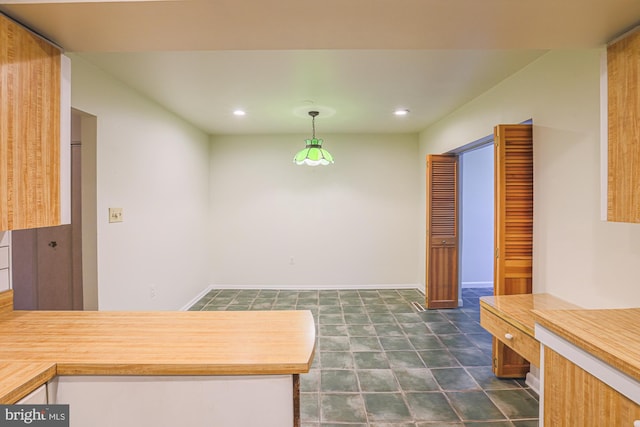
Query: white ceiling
[(353, 60)]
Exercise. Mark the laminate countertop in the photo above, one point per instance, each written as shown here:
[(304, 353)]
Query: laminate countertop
[(18, 379), (611, 335), (518, 309), (151, 343)]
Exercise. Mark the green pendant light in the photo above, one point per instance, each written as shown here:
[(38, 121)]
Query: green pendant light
[(313, 154)]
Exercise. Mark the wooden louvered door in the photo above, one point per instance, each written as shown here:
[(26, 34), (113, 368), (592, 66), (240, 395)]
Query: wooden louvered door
[(513, 229), (442, 232)]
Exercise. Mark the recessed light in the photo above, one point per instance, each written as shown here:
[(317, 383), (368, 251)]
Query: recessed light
[(401, 112), (239, 113)]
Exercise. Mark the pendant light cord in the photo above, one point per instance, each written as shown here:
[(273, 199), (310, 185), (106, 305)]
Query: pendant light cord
[(313, 115)]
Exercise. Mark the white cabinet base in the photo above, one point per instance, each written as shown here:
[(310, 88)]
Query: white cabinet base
[(195, 401), (36, 397)]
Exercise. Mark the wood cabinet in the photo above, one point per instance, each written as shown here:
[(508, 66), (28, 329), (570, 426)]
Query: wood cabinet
[(623, 141), (33, 122), (590, 367), (574, 397)]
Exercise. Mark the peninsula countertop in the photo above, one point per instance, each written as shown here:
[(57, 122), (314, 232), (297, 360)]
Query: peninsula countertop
[(153, 343)]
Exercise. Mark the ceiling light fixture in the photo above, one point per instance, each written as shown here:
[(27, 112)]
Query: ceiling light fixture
[(313, 154), (239, 113), (401, 112)]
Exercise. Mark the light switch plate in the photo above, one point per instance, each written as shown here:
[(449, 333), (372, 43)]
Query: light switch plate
[(115, 215)]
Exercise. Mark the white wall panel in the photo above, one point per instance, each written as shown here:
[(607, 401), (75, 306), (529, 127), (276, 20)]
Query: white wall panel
[(155, 166), (203, 401), (349, 224)]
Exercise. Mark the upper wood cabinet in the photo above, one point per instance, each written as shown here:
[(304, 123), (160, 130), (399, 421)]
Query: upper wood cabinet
[(31, 93), (623, 150)]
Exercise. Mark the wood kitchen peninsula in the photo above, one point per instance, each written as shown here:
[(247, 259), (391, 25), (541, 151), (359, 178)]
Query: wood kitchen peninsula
[(591, 367), (589, 359), (222, 368)]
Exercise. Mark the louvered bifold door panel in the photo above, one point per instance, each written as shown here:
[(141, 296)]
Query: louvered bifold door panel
[(513, 228), (442, 232)]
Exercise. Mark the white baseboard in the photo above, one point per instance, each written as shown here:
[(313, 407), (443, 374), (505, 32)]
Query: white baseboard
[(533, 379), (320, 287), (197, 298), (476, 284)]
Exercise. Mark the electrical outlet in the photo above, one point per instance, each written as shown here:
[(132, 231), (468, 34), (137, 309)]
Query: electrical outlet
[(152, 291), (115, 215)]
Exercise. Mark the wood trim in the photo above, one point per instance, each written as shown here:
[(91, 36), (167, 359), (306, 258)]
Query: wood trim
[(6, 301), (623, 110)]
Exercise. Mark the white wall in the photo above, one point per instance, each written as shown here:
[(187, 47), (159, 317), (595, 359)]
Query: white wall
[(477, 217), (350, 224), (577, 257), (155, 166)]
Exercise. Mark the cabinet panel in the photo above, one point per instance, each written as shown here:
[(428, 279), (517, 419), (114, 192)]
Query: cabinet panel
[(160, 401), (30, 126), (4, 279), (4, 257), (623, 105), (573, 397)]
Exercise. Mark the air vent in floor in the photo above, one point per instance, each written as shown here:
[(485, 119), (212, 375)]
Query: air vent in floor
[(418, 306)]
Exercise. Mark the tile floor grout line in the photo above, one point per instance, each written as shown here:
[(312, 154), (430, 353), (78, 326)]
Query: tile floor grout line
[(374, 306)]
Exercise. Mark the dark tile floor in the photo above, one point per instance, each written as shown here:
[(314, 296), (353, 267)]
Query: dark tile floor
[(380, 362)]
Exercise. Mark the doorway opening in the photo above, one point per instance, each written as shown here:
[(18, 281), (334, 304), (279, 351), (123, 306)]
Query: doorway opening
[(511, 255), (476, 219)]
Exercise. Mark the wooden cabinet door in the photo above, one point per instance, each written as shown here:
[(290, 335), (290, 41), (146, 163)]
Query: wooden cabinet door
[(442, 232), (30, 103), (623, 150), (574, 397), (513, 229)]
